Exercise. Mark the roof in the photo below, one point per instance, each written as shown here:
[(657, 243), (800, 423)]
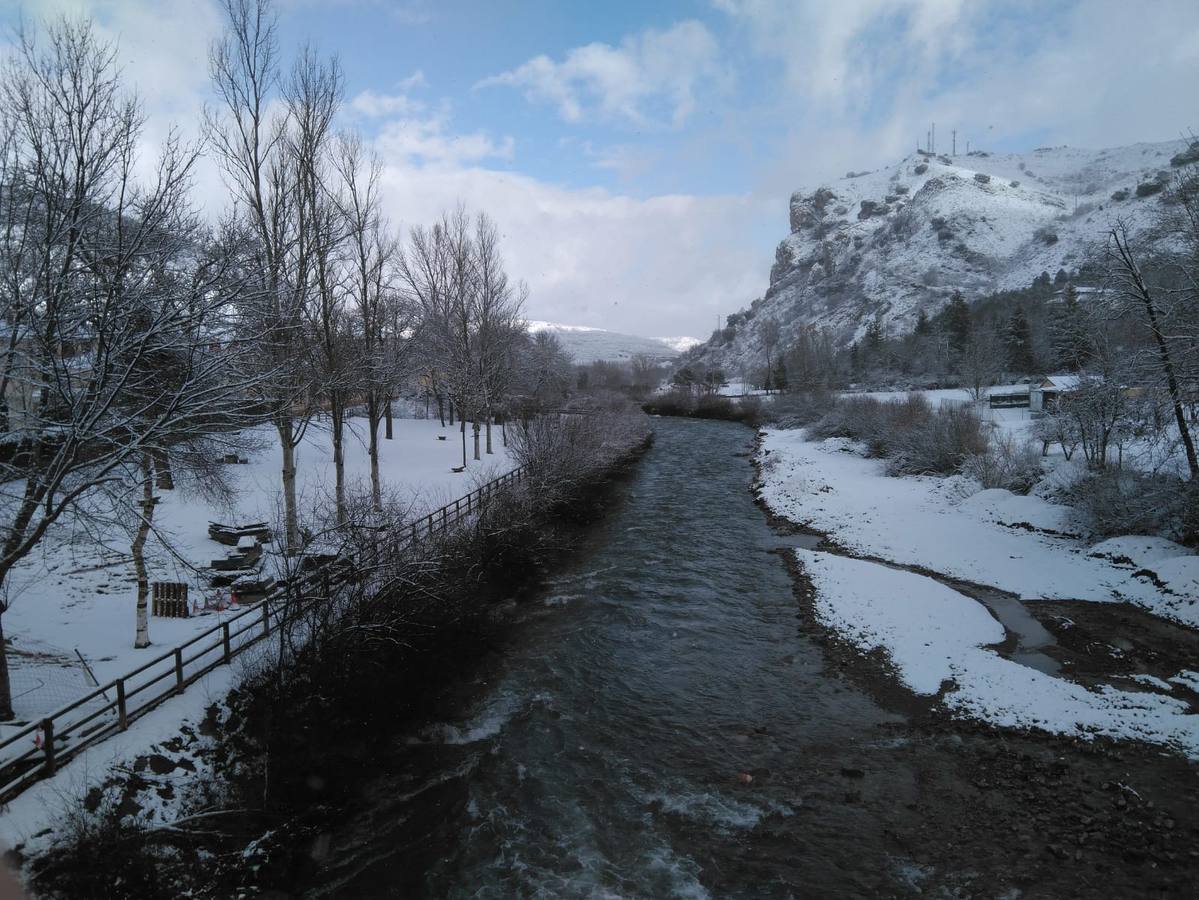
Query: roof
[(1068, 381)]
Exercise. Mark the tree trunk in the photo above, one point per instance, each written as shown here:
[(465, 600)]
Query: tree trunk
[(142, 637), (474, 426), (387, 434), (339, 458), (504, 429), (488, 421), (372, 418), (441, 410), (162, 470), (462, 424), (6, 711), (291, 518), (451, 413), (1146, 297)]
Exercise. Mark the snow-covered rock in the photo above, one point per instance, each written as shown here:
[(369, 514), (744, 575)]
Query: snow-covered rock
[(900, 240)]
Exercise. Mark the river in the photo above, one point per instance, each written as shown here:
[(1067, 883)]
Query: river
[(656, 720)]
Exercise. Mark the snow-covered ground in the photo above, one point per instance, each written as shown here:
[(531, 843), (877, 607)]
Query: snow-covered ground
[(74, 594), (995, 538)]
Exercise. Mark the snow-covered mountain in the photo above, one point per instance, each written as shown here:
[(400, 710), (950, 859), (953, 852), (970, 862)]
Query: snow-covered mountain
[(587, 345), (898, 240)]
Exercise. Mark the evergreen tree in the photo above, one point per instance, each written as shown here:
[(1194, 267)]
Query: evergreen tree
[(922, 323), (1018, 342), (874, 335), (957, 323), (1068, 333)]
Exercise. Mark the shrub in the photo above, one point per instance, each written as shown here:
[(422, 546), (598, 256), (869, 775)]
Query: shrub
[(1120, 501), (749, 408), (1149, 188), (800, 409), (1120, 195), (1007, 463), (713, 406), (940, 446), (674, 403), (1046, 235), (981, 178)]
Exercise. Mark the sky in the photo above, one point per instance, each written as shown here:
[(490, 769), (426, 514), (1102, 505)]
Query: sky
[(639, 157)]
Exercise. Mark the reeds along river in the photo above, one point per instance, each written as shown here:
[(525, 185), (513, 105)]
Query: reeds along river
[(653, 721)]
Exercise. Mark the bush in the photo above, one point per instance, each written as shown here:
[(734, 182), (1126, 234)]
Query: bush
[(1046, 235), (1120, 195), (675, 403), (939, 446), (1007, 463), (981, 178), (713, 406), (1119, 501), (799, 410), (1149, 188)]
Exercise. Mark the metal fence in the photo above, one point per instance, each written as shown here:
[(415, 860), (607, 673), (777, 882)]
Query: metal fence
[(39, 748)]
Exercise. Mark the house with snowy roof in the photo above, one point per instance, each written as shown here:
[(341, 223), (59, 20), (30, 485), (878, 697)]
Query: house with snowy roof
[(1043, 393)]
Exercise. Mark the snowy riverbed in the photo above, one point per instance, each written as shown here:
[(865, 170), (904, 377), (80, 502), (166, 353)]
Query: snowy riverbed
[(933, 634)]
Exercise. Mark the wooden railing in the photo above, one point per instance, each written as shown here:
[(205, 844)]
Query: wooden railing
[(39, 748)]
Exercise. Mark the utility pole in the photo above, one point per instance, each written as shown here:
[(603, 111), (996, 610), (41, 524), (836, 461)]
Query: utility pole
[(934, 147), (955, 142)]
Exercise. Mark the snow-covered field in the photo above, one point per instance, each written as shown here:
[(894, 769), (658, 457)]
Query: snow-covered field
[(995, 538), (74, 594)]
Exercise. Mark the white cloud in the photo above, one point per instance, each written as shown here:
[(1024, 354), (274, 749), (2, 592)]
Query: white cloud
[(662, 265), (428, 139), (863, 80), (374, 105), (653, 77)]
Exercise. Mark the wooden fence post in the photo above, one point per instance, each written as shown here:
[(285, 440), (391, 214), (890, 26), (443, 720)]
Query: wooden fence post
[(178, 670), (122, 715), (48, 744), (225, 639)]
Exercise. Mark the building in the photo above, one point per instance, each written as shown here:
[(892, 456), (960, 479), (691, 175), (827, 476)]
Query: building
[(1042, 393)]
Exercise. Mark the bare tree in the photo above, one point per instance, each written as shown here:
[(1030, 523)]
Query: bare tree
[(255, 142), (93, 274), (1155, 314), (769, 332), (385, 323), (981, 362)]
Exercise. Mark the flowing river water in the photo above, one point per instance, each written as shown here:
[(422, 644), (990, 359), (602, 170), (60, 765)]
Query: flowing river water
[(655, 720)]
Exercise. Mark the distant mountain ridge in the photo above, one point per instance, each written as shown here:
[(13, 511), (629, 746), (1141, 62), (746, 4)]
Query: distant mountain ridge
[(890, 243), (586, 344)]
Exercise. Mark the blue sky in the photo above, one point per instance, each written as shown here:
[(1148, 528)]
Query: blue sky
[(639, 156)]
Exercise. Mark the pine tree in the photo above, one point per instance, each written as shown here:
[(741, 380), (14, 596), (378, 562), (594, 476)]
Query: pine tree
[(922, 323), (957, 323), (1018, 342), (1068, 333)]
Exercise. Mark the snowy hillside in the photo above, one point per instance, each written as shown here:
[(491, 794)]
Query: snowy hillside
[(590, 344), (892, 242)]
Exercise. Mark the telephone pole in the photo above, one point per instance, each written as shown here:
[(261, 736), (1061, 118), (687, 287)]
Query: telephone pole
[(955, 142)]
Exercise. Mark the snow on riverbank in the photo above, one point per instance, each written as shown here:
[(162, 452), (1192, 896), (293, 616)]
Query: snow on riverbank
[(994, 537), (933, 635), (75, 593)]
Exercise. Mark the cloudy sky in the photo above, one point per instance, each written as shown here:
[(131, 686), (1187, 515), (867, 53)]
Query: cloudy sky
[(638, 157)]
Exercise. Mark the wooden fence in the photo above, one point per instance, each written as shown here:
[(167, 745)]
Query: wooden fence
[(39, 748)]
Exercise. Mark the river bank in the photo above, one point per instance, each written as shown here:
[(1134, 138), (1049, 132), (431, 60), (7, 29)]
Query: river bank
[(1008, 807), (239, 802)]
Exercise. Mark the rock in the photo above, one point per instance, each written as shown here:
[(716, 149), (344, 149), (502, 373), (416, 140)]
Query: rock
[(745, 778)]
